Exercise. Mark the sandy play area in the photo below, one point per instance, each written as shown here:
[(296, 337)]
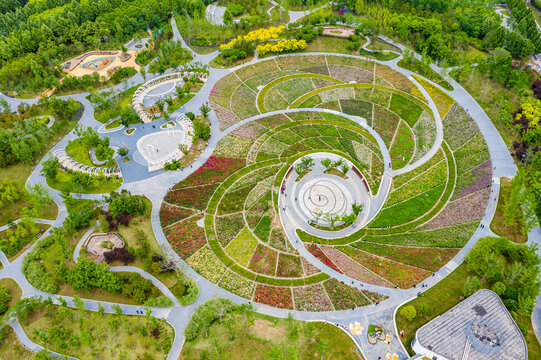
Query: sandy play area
[(100, 63), (338, 32), (94, 247)]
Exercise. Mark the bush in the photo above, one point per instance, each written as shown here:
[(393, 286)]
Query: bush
[(408, 312), (191, 293), (423, 308), (471, 285), (160, 301), (499, 288), (206, 314), (5, 297), (523, 329), (190, 115), (123, 151)]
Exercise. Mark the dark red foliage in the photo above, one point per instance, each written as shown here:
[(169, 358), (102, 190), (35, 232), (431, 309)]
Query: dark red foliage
[(122, 255)]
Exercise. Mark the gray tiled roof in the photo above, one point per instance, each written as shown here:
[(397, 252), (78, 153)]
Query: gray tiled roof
[(492, 331)]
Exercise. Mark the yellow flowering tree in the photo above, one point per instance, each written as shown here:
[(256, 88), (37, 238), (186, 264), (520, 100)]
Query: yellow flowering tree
[(527, 120), (258, 35), (281, 46)]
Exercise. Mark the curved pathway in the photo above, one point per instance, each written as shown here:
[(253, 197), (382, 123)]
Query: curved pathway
[(156, 186)]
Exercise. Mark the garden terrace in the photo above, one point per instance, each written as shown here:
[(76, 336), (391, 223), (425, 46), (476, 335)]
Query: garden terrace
[(243, 247)]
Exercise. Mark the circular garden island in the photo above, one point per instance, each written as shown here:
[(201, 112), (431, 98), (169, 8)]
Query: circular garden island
[(416, 213)]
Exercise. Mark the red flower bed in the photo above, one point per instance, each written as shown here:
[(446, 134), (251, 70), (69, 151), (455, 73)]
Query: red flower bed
[(215, 169), (170, 214), (263, 260), (277, 296), (186, 237), (193, 197), (344, 296), (316, 251)]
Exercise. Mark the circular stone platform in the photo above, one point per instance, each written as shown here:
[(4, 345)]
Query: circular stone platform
[(320, 193), (160, 146)]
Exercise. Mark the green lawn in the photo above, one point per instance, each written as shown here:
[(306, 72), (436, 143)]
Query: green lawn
[(124, 100), (129, 334), (512, 232), (79, 151), (254, 341), (11, 348), (330, 44), (442, 297), (177, 104), (419, 68), (65, 182)]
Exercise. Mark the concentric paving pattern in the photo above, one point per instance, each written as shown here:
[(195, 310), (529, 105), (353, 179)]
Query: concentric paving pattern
[(327, 196)]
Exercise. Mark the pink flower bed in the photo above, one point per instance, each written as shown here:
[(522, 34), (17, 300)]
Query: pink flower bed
[(353, 269), (320, 255), (225, 116), (463, 210), (348, 74), (311, 298), (273, 120), (277, 296), (170, 214), (263, 260), (186, 237), (215, 169), (252, 130), (196, 197), (480, 178), (309, 269)]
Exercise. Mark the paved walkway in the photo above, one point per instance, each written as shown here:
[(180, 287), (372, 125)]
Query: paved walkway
[(156, 185)]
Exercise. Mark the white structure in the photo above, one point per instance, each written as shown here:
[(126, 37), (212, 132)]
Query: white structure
[(69, 164), (143, 90)]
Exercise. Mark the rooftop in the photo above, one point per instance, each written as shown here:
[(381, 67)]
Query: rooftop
[(479, 327)]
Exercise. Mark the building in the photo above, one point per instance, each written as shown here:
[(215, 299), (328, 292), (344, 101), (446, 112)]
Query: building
[(478, 328)]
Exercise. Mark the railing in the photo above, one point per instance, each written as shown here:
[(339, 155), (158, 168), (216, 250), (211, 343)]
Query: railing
[(69, 164)]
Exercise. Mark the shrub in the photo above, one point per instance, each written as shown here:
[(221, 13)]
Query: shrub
[(471, 285), (408, 312), (499, 288), (422, 307), (123, 151), (5, 297), (160, 301)]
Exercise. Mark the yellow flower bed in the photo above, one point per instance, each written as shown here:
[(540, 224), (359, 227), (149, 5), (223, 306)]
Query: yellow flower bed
[(257, 35)]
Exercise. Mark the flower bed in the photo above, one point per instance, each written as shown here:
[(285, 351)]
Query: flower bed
[(305, 131), (348, 74), (264, 260), (186, 237), (337, 94), (453, 236), (237, 284), (289, 266), (344, 297), (274, 100), (353, 269), (385, 123), (293, 88), (262, 188), (273, 121), (395, 78), (243, 102), (425, 258), (311, 298), (357, 107), (308, 268), (299, 62), (233, 146), (380, 97), (195, 197), (473, 153), (465, 209), (206, 263), (215, 169), (255, 176), (425, 135), (458, 127), (278, 240), (349, 61), (403, 146), (252, 130), (225, 116), (277, 296), (242, 247), (233, 200), (331, 105), (476, 179), (442, 100), (406, 109), (262, 67), (170, 214), (427, 180), (320, 255), (404, 276), (223, 89), (273, 146), (320, 83), (227, 227), (401, 179), (287, 136)]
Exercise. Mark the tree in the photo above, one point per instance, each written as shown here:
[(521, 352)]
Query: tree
[(50, 168), (357, 208), (78, 303), (408, 312), (228, 18), (205, 110), (499, 288), (344, 168), (144, 74), (349, 219), (4, 104), (117, 309), (129, 116), (123, 151), (332, 218), (471, 285), (327, 163), (5, 297)]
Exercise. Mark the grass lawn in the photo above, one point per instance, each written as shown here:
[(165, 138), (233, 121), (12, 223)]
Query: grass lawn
[(330, 44), (256, 340), (382, 45), (177, 104), (9, 212), (114, 124), (428, 73), (78, 151), (11, 348), (512, 232), (124, 100), (381, 56), (112, 336), (65, 182), (442, 297), (14, 290)]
